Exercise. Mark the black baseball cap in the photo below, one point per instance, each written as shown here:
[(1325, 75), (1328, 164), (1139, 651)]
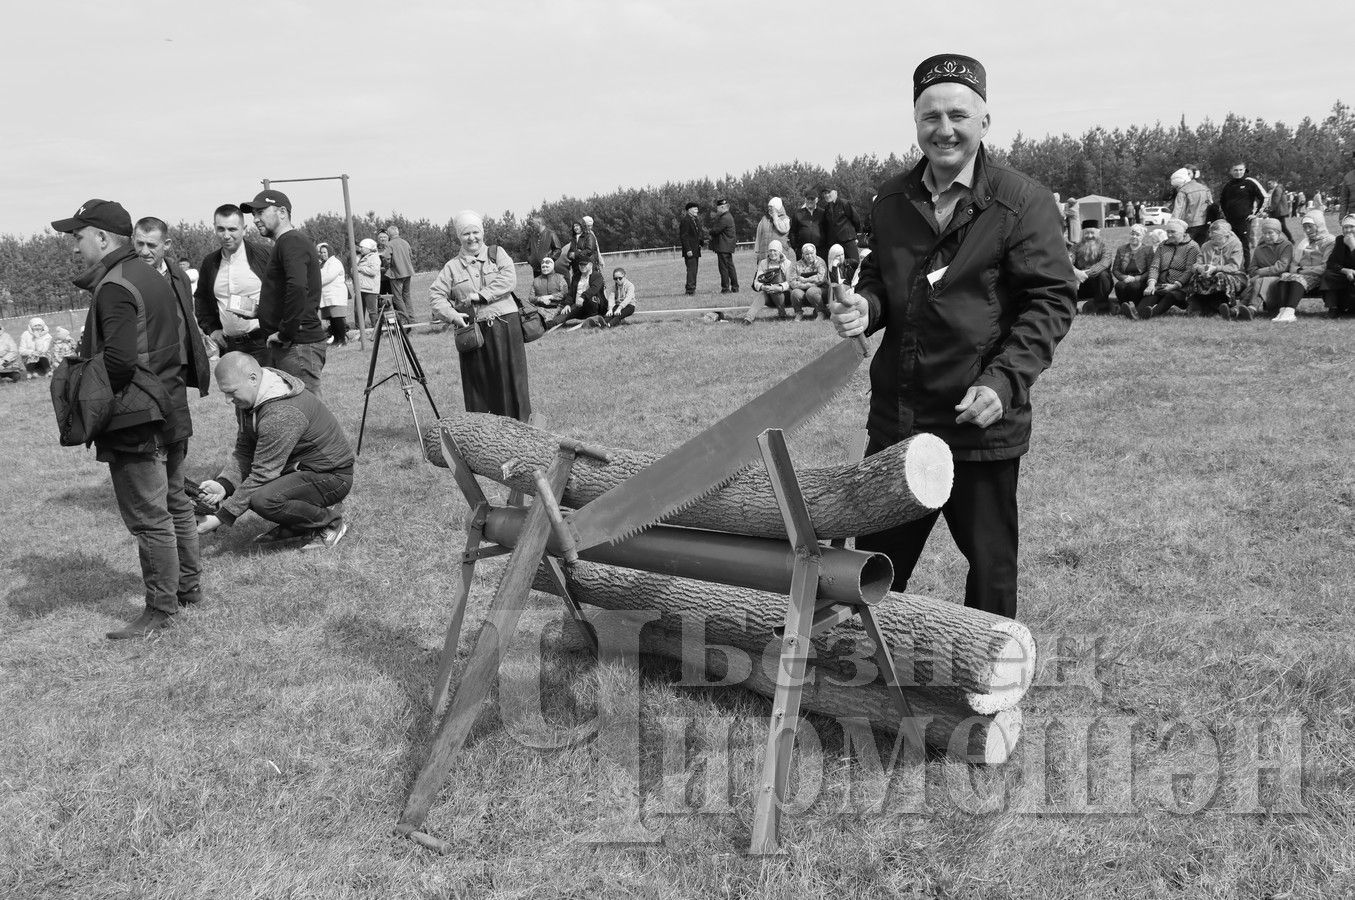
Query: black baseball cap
[(721, 201), (103, 214), (265, 199)]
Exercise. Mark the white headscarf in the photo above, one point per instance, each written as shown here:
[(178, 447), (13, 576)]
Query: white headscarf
[(465, 217), (775, 247), (1180, 177)]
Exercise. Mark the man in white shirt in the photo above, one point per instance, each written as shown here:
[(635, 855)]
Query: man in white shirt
[(229, 281)]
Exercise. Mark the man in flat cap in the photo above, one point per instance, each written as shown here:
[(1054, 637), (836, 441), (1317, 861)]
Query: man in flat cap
[(152, 353), (289, 297), (723, 240), (690, 237), (972, 286)]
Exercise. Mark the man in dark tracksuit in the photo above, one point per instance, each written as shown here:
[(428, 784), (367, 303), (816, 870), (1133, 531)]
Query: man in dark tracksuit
[(689, 236), (1241, 198), (289, 300), (152, 354), (722, 243), (970, 281)]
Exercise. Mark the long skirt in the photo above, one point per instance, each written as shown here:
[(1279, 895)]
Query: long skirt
[(1230, 284), (494, 378)]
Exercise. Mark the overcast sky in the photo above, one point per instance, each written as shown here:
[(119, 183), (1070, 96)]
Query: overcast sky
[(431, 107)]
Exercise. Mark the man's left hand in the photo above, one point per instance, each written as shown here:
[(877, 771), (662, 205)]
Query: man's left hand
[(980, 406), (276, 340), (208, 523)]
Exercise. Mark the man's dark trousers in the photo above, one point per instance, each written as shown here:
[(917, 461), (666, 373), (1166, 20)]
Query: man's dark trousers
[(302, 500), (255, 344), (157, 512), (400, 300), (305, 361), (982, 517), (1243, 231), (693, 263), (729, 279)]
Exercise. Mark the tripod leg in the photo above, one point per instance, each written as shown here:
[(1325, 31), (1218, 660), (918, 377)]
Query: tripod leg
[(419, 374), (367, 392)]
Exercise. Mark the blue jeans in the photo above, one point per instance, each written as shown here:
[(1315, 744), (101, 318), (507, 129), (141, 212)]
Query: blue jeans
[(305, 361), (302, 500), (151, 500)]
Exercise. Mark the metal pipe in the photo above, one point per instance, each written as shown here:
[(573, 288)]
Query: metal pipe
[(764, 564)]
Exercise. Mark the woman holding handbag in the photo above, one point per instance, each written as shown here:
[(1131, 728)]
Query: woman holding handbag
[(475, 293)]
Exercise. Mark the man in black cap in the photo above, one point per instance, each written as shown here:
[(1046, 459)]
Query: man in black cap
[(972, 286), (289, 298), (722, 243), (152, 353), (806, 224), (689, 236)]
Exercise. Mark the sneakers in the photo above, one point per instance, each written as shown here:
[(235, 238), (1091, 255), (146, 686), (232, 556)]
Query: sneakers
[(1129, 310), (1226, 312), (1284, 315), (326, 538), (1246, 313), (149, 622), (279, 533)]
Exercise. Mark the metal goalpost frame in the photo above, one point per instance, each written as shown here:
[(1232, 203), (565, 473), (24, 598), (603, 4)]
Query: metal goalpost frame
[(352, 244)]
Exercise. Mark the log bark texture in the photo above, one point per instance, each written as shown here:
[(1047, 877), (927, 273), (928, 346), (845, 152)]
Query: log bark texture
[(962, 662), (897, 485)]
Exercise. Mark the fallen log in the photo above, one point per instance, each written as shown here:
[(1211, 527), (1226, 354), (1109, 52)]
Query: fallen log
[(897, 485), (954, 662), (986, 739)]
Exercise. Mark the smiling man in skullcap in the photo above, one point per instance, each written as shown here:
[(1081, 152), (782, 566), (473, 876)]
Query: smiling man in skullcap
[(971, 284)]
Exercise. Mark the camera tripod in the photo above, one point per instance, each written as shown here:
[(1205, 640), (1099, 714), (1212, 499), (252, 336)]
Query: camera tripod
[(408, 369)]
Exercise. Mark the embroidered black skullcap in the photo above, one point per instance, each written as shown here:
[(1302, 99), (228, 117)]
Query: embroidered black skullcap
[(943, 67)]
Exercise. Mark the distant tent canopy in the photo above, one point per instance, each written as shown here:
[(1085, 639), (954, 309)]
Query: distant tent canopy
[(1093, 210)]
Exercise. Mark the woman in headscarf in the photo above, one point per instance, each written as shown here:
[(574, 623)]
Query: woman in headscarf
[(1270, 258), (63, 345), (1309, 265), (333, 295), (772, 282), (34, 346), (1217, 280), (1167, 273), (1130, 270), (367, 278), (11, 369), (1339, 281), (773, 226), (476, 285), (809, 286)]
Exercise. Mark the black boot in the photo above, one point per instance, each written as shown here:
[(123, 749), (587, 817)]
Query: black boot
[(149, 622)]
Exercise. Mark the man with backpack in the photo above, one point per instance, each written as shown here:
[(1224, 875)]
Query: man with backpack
[(151, 350)]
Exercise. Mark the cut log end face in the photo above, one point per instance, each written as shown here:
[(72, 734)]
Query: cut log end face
[(992, 741), (929, 470)]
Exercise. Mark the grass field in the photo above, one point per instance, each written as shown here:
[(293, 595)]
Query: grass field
[(1188, 519)]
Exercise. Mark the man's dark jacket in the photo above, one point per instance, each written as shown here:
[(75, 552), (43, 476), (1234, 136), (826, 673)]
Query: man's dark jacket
[(840, 223), (594, 292), (204, 298), (806, 227), (289, 301), (689, 236), (722, 233), (174, 349), (1005, 300), (1239, 198), (541, 244)]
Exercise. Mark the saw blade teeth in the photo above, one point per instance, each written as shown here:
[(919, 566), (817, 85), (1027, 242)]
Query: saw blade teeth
[(685, 505)]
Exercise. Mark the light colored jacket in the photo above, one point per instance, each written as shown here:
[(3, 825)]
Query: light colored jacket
[(333, 288), (478, 282), (368, 271), (1192, 203)]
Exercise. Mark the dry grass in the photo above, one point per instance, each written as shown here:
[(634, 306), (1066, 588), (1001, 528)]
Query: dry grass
[(1188, 503)]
